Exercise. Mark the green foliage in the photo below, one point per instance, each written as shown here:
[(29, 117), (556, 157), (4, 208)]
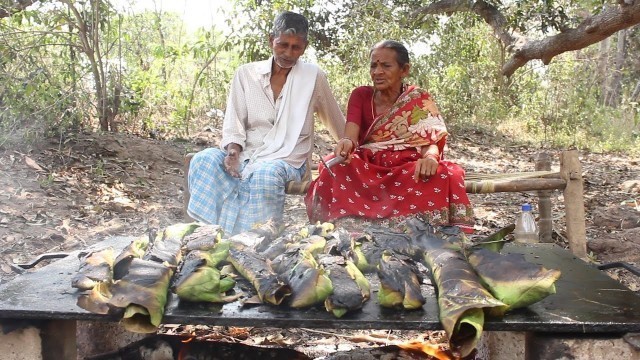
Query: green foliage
[(462, 69), (167, 78)]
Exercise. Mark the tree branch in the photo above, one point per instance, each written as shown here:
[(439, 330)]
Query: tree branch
[(489, 13), (16, 7), (592, 30)]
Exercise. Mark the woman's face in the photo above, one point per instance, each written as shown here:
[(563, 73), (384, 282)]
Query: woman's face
[(385, 71), (287, 48)]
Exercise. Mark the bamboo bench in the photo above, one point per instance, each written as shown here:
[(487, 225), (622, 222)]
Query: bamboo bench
[(542, 180)]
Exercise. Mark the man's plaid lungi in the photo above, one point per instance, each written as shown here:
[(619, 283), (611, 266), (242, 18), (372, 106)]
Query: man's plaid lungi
[(237, 204)]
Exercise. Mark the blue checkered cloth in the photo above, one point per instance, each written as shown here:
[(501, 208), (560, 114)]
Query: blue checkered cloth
[(237, 204)]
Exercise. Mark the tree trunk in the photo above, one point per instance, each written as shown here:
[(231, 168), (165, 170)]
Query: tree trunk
[(107, 105), (636, 92), (612, 97), (158, 25), (603, 68)]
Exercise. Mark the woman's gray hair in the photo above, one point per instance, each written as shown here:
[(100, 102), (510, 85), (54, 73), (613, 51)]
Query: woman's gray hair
[(290, 23), (402, 54)]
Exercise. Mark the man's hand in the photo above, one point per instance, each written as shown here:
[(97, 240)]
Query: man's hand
[(424, 168), (232, 162)]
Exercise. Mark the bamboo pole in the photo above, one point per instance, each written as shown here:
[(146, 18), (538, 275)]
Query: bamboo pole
[(571, 172), (486, 187)]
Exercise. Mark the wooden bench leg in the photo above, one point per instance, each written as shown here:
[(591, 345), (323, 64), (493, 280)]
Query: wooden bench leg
[(545, 222), (571, 172), (59, 340)]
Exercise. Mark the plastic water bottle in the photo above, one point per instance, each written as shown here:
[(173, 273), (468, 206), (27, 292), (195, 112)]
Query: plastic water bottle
[(526, 230)]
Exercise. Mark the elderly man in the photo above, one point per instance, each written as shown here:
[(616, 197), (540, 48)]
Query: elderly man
[(267, 134)]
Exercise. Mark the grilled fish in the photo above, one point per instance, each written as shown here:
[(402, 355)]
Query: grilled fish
[(399, 282), (96, 267), (257, 271), (350, 288)]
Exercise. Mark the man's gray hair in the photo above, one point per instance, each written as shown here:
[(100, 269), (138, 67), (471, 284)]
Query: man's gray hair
[(290, 23)]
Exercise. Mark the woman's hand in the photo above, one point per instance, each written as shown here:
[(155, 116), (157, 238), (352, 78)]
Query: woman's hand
[(232, 162), (344, 148), (425, 167)]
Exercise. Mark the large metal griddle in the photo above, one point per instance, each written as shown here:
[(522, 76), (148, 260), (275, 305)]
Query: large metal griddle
[(587, 301)]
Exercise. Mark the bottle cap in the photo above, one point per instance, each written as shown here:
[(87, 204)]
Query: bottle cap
[(526, 207)]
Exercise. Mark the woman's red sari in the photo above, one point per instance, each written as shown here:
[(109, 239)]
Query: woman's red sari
[(378, 182)]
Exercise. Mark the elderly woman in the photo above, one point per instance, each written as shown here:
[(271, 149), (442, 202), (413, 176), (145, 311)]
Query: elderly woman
[(267, 134), (393, 146)]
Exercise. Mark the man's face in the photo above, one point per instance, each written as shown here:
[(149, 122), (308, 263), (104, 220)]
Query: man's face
[(287, 49)]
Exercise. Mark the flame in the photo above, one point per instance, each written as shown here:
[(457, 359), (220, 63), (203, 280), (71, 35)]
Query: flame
[(187, 340), (432, 350), (184, 351)]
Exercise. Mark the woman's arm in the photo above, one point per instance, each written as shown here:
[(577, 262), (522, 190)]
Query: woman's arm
[(349, 142), (355, 115)]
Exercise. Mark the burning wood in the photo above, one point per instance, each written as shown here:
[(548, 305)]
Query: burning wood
[(435, 351), (176, 347)]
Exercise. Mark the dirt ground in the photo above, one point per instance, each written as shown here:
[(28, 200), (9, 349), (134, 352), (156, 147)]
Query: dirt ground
[(65, 194)]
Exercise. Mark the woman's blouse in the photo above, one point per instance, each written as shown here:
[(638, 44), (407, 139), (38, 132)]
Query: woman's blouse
[(360, 110)]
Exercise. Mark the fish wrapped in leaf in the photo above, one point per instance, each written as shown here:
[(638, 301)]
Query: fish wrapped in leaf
[(425, 237), (313, 244), (197, 258), (272, 249), (199, 280), (95, 267), (204, 283), (456, 239), (142, 293), (284, 262), (340, 242), (366, 254), (257, 271), (135, 250), (260, 233), (135, 319), (512, 279), (350, 288), (461, 297), (97, 299), (321, 229), (309, 282), (204, 237), (399, 243), (294, 253), (399, 282), (167, 246), (495, 242)]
